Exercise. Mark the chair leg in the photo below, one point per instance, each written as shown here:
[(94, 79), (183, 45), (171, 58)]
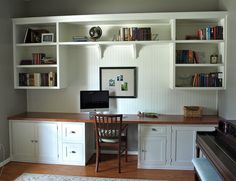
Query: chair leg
[(119, 155), (126, 151), (97, 159)]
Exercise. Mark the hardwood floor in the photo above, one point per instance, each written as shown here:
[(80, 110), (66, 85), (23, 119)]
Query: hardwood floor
[(107, 168)]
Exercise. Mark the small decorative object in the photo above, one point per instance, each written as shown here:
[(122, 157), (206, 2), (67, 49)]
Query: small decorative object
[(47, 37), (120, 81), (192, 111), (155, 37), (150, 114), (80, 38), (214, 59), (95, 32)]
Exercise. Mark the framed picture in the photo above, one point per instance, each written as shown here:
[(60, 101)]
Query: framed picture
[(120, 81), (47, 37)]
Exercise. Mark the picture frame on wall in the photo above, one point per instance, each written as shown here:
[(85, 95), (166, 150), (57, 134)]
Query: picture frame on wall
[(120, 81)]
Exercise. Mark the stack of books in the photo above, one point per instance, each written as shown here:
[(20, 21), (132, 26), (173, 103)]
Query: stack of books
[(186, 56), (212, 79), (80, 38), (134, 33), (210, 33), (38, 79)]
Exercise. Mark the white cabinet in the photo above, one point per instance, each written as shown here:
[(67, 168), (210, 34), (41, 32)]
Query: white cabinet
[(51, 142), (77, 143), (183, 144), (153, 145), (34, 142), (168, 146)]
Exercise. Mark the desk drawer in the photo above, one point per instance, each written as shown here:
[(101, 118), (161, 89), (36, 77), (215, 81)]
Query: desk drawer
[(73, 152), (153, 130), (73, 132)]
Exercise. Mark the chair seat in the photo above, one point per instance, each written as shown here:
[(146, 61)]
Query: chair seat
[(113, 140), (109, 140)]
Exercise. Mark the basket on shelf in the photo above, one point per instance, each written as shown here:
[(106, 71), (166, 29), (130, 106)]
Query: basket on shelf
[(192, 111)]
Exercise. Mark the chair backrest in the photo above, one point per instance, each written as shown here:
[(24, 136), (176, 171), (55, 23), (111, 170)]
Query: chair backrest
[(108, 127)]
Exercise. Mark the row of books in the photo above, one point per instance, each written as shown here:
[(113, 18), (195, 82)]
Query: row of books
[(134, 33), (38, 79), (213, 79), (186, 56), (38, 58), (210, 33)]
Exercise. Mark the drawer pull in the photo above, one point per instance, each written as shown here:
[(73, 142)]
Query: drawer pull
[(73, 151), (73, 132), (154, 129)]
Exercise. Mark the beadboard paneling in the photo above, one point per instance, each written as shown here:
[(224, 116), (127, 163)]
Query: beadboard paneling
[(153, 91)]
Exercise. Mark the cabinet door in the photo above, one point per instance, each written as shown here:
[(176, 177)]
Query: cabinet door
[(184, 143), (23, 141), (153, 151), (47, 142)]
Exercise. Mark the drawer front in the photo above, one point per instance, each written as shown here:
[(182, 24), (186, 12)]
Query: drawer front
[(73, 152), (153, 130), (73, 132)]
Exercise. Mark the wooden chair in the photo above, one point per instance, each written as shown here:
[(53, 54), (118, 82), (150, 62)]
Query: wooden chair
[(110, 133)]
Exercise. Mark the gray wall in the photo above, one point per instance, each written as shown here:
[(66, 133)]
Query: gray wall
[(70, 7), (227, 98), (11, 101)]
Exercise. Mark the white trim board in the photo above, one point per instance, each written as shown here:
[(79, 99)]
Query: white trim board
[(5, 162)]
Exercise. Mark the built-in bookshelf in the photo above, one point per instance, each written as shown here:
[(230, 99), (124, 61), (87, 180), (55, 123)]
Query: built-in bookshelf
[(200, 53), (197, 43)]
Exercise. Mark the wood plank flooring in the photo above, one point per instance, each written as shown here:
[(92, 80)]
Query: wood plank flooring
[(108, 168)]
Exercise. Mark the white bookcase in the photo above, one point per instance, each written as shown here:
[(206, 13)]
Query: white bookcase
[(171, 28), (183, 73)]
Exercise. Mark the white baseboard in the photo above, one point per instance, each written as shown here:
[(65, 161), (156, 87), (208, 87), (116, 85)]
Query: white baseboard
[(5, 162)]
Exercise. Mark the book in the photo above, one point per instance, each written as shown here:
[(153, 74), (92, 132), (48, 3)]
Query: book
[(37, 79), (27, 38), (52, 79)]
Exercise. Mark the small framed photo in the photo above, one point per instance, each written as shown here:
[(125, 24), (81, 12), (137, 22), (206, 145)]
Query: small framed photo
[(47, 37)]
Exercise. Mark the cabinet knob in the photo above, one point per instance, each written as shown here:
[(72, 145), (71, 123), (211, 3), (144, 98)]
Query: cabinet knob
[(73, 151), (36, 141), (154, 129), (143, 150), (32, 141), (73, 132)]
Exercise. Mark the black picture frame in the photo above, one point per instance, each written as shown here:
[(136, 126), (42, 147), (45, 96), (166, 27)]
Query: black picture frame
[(120, 81)]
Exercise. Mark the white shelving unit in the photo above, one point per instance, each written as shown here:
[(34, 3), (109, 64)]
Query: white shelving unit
[(183, 74), (170, 27)]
